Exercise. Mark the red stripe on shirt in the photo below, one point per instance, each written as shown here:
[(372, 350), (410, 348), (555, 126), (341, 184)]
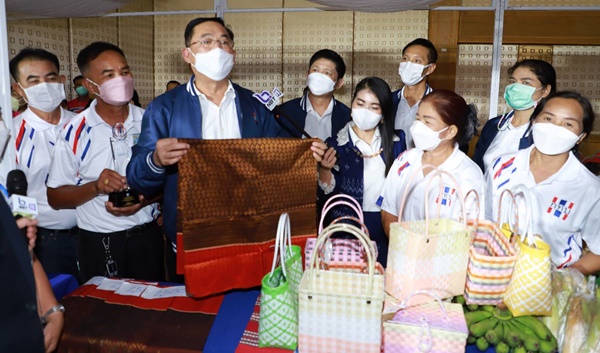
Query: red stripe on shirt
[(20, 135), (76, 140)]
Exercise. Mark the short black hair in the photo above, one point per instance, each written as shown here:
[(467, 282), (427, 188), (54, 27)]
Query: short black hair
[(543, 70), (31, 54), (174, 82), (584, 103), (432, 52), (340, 66), (78, 77), (92, 51), (189, 29)]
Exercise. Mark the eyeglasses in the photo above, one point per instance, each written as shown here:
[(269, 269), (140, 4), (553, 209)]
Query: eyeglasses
[(209, 43)]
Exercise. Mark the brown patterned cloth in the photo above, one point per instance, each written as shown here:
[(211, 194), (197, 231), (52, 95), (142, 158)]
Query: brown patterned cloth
[(231, 194), (91, 325)]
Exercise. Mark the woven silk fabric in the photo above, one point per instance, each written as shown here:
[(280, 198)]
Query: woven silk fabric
[(231, 194)]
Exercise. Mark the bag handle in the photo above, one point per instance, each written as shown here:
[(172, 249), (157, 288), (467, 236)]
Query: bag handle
[(404, 303), (473, 193), (314, 268), (360, 223), (438, 173), (283, 235), (405, 195), (425, 337), (346, 200), (527, 237), (500, 220)]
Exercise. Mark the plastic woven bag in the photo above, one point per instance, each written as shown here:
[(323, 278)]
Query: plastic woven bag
[(278, 320), (492, 259), (340, 253), (430, 255), (341, 311), (529, 291)]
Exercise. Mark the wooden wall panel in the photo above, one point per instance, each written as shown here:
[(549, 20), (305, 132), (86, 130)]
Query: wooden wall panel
[(532, 27)]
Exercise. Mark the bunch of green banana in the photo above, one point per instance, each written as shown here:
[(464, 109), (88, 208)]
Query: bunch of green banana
[(489, 325)]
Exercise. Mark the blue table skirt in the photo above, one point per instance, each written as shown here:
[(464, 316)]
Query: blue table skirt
[(231, 321), (62, 284)]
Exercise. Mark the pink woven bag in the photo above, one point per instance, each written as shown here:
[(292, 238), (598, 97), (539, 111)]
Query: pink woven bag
[(434, 327), (340, 253)]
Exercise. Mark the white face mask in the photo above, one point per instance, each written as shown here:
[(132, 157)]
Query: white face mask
[(365, 119), (551, 139), (319, 83), (215, 64), (410, 73), (425, 139), (45, 96)]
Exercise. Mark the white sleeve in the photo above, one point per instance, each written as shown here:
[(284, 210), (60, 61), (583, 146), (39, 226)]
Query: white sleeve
[(488, 206), (389, 199), (64, 167), (589, 231)]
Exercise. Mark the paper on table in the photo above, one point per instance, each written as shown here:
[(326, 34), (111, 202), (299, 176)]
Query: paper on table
[(97, 280), (131, 289), (110, 284), (152, 292)]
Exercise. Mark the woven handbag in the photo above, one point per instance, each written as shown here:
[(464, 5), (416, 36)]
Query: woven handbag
[(278, 320), (529, 291), (431, 254), (492, 259), (341, 311), (340, 253), (436, 326)]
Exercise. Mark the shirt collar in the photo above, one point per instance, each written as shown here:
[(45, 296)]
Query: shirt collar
[(454, 161), (94, 119), (193, 90), (357, 140), (307, 106), (568, 172), (40, 124), (428, 90)]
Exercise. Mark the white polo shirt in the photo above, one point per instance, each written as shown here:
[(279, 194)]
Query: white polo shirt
[(406, 115), (460, 166), (566, 206), (506, 141), (81, 154), (316, 125), (35, 139)]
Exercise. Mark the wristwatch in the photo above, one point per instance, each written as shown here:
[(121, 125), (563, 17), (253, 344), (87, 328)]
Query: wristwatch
[(52, 310)]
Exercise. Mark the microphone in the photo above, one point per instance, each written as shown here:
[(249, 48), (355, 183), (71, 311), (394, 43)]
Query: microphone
[(20, 204), (270, 100)]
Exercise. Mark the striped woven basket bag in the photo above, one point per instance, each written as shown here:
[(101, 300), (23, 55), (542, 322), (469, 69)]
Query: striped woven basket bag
[(492, 257)]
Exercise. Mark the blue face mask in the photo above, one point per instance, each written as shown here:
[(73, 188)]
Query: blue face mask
[(520, 96), (81, 91)]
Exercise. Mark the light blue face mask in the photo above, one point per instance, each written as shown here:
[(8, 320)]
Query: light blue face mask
[(81, 91), (520, 96)]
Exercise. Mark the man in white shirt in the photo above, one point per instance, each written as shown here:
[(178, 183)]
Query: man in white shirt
[(37, 80), (89, 165), (418, 62)]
